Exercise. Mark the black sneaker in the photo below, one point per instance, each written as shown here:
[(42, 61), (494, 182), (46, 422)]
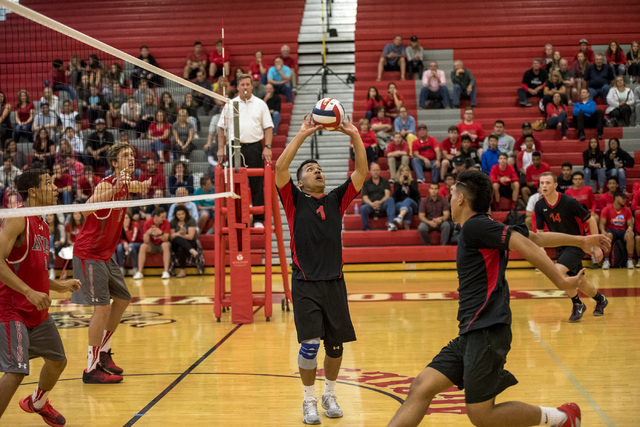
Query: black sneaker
[(577, 312), (599, 310), (581, 136), (100, 376)]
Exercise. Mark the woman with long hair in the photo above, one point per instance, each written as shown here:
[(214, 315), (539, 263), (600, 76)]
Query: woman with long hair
[(25, 113), (579, 68), (184, 238), (6, 129), (633, 63), (51, 99), (73, 227), (115, 74), (236, 74), (130, 242), (593, 164), (94, 69), (84, 92), (621, 101), (159, 132), (74, 70), (407, 197), (616, 58), (192, 109), (19, 158), (616, 161), (63, 151), (554, 64), (557, 115), (369, 139), (169, 107), (183, 134), (374, 100), (554, 85), (44, 149), (180, 177)]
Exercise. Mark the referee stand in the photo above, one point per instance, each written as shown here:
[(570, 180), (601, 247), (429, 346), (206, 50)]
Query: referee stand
[(233, 246)]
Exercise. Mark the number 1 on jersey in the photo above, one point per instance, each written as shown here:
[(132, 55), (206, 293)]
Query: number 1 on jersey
[(321, 212)]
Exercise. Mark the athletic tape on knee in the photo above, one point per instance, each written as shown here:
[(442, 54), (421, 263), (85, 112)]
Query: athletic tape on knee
[(333, 350), (308, 353)]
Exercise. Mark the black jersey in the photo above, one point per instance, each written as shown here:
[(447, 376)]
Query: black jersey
[(315, 224), (566, 216), (481, 260)]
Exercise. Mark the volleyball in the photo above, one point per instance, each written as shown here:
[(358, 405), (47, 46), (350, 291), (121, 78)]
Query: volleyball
[(329, 113)]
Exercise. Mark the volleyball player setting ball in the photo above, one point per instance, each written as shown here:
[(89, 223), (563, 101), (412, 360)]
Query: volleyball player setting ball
[(328, 113)]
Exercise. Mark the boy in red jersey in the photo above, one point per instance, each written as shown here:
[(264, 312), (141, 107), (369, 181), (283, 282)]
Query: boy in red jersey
[(95, 265), (583, 193), (474, 130), (616, 223), (26, 330), (504, 181)]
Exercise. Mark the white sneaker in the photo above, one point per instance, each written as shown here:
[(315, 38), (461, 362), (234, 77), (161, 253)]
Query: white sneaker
[(606, 264), (138, 276), (398, 221), (258, 225), (165, 275), (638, 264), (52, 274), (310, 411), (392, 227), (330, 404), (630, 264)]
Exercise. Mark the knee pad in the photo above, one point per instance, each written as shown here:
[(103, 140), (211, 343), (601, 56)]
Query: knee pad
[(308, 353), (333, 350)]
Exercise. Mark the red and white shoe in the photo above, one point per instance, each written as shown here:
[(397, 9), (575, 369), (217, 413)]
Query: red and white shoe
[(107, 363), (573, 414), (48, 414), (100, 376)]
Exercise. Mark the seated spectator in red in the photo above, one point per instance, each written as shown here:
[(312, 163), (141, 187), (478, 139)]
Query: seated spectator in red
[(397, 150), (616, 222), (393, 58), (155, 240), (217, 61), (377, 200), (406, 196), (289, 61), (445, 190), (505, 181), (75, 170), (449, 148), (426, 155), (370, 141), (527, 129), (382, 126), (533, 172), (25, 114), (392, 101), (58, 79), (159, 133), (533, 83), (373, 101), (606, 199), (557, 115), (616, 59), (257, 67), (158, 180), (583, 194), (635, 204), (565, 179), (87, 184), (554, 85), (64, 183), (196, 61), (474, 130), (434, 215), (467, 151), (44, 149), (586, 51)]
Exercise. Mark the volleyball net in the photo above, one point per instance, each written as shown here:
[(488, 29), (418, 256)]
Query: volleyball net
[(72, 97)]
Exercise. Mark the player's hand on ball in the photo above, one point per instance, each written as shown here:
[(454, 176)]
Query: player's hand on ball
[(348, 128), (308, 127)]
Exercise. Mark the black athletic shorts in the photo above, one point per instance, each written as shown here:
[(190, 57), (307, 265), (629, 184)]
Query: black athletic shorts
[(506, 191), (395, 67), (571, 257), (617, 234), (320, 309), (474, 362)]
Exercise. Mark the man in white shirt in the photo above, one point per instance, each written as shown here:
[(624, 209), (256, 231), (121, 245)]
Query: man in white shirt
[(506, 143), (255, 124), (531, 204), (435, 86), (46, 119), (69, 118)]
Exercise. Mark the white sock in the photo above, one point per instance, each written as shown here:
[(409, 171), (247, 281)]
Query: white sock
[(93, 358), (329, 386), (39, 398), (309, 391), (552, 417), (106, 341)]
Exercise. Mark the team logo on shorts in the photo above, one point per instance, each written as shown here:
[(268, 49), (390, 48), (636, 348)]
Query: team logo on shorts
[(81, 319)]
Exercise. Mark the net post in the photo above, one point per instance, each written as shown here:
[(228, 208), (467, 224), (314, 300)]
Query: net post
[(237, 156)]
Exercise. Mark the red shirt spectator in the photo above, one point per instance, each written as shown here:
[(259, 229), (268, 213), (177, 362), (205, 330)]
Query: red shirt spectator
[(72, 233), (390, 103), (85, 187), (617, 58), (426, 148), (157, 130), (216, 58), (371, 104), (474, 129), (62, 182), (635, 204), (393, 147), (290, 62), (444, 192), (385, 121), (508, 171), (134, 234), (588, 55), (75, 169), (614, 219), (448, 148), (554, 109), (606, 199), (58, 75), (25, 112), (520, 159), (637, 223), (533, 174), (368, 138), (583, 195), (164, 227)]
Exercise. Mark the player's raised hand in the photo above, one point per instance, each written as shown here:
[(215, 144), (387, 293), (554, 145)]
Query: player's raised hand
[(308, 127), (595, 244), (39, 299), (348, 128), (122, 179)]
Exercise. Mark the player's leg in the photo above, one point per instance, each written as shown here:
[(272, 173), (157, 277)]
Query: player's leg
[(14, 368), (9, 384), (166, 259), (142, 257), (606, 264), (570, 263), (516, 414), (332, 363), (630, 240), (637, 240)]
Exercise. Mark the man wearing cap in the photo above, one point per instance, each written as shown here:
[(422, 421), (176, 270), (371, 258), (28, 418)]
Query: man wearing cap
[(588, 53), (98, 146), (533, 83), (258, 88), (46, 119), (393, 58), (415, 56)]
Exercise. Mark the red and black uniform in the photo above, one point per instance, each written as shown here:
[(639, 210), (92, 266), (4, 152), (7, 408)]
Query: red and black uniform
[(475, 359), (318, 289)]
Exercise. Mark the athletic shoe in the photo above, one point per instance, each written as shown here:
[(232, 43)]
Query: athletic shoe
[(330, 404), (527, 104), (638, 264), (577, 312), (581, 136), (392, 227), (310, 411), (138, 276), (421, 181), (573, 415), (48, 414), (165, 275), (606, 264), (594, 263), (599, 310), (107, 363), (100, 376), (630, 264), (258, 225), (398, 221)]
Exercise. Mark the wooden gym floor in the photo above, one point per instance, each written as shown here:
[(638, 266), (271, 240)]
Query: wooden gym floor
[(183, 368)]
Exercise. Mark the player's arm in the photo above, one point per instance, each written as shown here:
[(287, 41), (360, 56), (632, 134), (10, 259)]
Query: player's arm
[(64, 286), (284, 161), (139, 186), (11, 229), (360, 154), (546, 239), (104, 192)]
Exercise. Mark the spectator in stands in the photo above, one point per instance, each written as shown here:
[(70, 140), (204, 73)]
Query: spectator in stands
[(397, 150), (205, 207), (147, 114), (47, 120), (169, 107), (406, 196), (75, 169), (405, 124), (57, 239), (180, 177), (557, 115), (236, 73), (274, 104), (524, 160), (580, 66), (6, 128), (206, 102), (25, 114), (464, 84), (490, 156), (392, 101), (130, 242), (586, 114), (582, 193), (506, 143), (586, 51), (69, 118), (369, 140), (467, 151), (211, 147), (593, 163), (84, 91), (289, 61), (50, 98), (86, 184), (621, 101), (565, 179), (257, 67), (415, 57), (434, 85), (616, 222), (222, 88), (98, 145), (142, 92), (74, 70), (159, 132), (155, 237), (192, 108), (474, 130), (531, 204), (616, 59), (280, 77), (445, 190), (58, 80), (19, 158), (636, 96), (196, 61), (44, 149), (505, 181), (553, 86), (130, 116), (145, 212), (426, 155), (158, 180), (533, 83), (382, 126), (147, 75), (548, 55), (191, 206), (115, 101), (115, 74), (534, 171), (633, 63), (377, 200), (8, 176), (95, 69), (554, 64), (184, 238), (64, 185), (527, 129), (183, 134), (616, 162), (393, 58), (449, 148), (217, 61), (373, 101), (434, 214), (606, 199), (599, 77), (461, 164), (97, 107), (568, 78), (258, 88), (64, 150), (73, 227)]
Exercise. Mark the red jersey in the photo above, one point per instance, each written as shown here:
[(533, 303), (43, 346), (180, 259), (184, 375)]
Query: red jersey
[(371, 104), (133, 235), (394, 147), (426, 148), (583, 195), (475, 131), (158, 181), (497, 173), (216, 58), (73, 234), (165, 227), (533, 174), (448, 148), (606, 199), (635, 203), (86, 187), (290, 62), (30, 262), (368, 138), (390, 103), (100, 233), (616, 219), (444, 192)]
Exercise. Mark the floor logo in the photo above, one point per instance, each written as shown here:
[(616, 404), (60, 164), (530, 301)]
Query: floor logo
[(81, 319)]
